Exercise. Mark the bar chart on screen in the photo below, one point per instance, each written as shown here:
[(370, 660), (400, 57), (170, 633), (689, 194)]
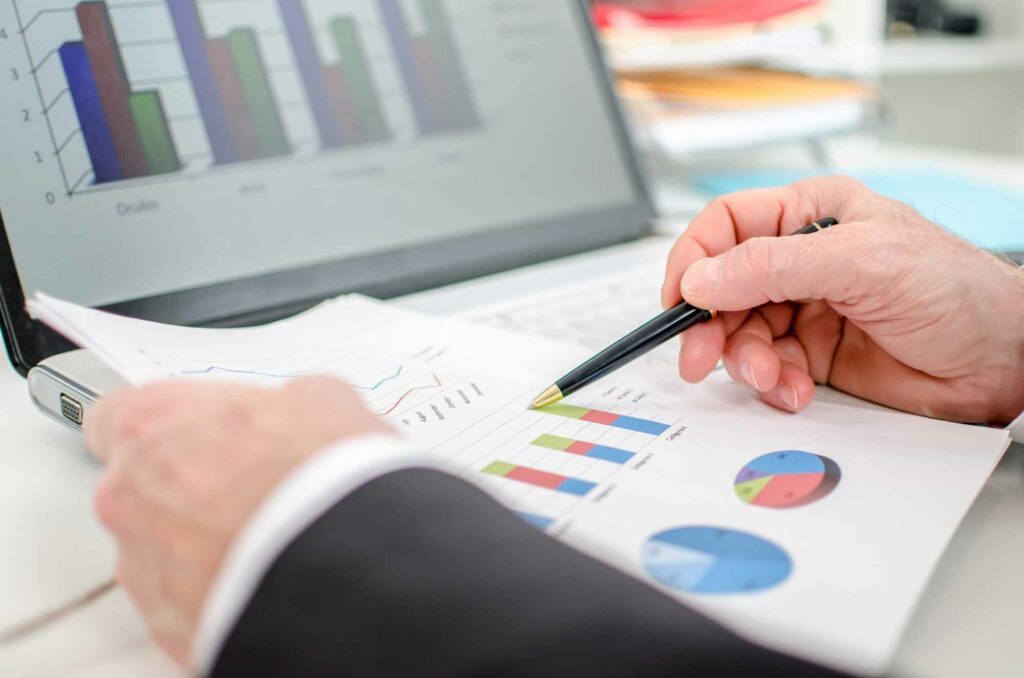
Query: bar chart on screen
[(169, 89)]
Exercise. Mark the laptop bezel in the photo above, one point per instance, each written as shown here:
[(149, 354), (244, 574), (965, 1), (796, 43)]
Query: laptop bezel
[(383, 275)]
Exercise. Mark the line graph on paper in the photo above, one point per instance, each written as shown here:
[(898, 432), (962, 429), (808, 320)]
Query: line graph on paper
[(418, 389)]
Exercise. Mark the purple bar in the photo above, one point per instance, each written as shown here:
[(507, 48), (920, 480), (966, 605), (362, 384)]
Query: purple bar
[(232, 97), (192, 39), (405, 52), (95, 128), (308, 60)]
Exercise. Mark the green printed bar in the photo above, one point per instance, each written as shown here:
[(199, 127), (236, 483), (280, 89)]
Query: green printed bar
[(551, 442), (499, 468), (259, 97), (151, 121), (360, 80), (567, 411)]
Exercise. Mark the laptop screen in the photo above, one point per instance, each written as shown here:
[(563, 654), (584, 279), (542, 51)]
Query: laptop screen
[(162, 146)]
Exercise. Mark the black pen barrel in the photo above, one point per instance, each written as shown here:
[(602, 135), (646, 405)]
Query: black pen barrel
[(648, 336)]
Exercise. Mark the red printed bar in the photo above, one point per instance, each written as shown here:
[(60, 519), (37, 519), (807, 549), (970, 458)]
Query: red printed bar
[(599, 417), (580, 447), (535, 477)]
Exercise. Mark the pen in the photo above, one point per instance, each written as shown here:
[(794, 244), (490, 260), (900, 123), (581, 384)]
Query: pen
[(655, 332)]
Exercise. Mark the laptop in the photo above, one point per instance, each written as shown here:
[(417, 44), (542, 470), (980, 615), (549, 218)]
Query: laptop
[(209, 164)]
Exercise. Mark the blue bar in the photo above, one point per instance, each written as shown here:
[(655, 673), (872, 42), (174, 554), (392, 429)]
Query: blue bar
[(402, 45), (192, 39), (95, 128), (540, 522), (575, 486), (612, 454), (641, 425), (312, 71)]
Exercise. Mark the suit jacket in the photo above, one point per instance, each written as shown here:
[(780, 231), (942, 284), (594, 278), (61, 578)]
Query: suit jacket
[(420, 574)]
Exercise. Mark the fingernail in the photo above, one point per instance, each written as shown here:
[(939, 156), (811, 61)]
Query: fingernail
[(789, 397), (747, 374), (702, 277)]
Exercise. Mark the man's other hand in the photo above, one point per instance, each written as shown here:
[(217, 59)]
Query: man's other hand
[(886, 306), (187, 464)]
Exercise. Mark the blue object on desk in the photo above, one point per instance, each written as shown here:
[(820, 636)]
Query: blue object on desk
[(985, 214)]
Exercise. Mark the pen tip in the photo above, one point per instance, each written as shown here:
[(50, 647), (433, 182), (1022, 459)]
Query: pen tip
[(550, 396)]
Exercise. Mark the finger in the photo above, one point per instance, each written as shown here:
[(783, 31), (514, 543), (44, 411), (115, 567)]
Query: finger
[(818, 328), (749, 357), (833, 265), (779, 318), (704, 344), (789, 349), (120, 420), (738, 217), (794, 391)]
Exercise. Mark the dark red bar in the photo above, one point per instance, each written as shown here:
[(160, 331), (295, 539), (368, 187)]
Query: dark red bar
[(432, 82), (232, 97), (112, 83), (344, 106), (535, 477)]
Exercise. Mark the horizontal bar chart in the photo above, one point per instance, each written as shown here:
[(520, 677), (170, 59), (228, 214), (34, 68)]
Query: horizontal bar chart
[(582, 448), (538, 478), (636, 424)]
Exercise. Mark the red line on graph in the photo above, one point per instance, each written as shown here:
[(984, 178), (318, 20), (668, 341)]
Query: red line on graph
[(436, 384)]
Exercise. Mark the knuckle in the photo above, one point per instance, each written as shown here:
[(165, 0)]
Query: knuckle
[(107, 502)]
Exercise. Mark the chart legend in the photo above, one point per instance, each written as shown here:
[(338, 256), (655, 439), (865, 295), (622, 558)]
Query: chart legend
[(635, 424), (538, 478), (582, 448), (711, 560), (787, 479)]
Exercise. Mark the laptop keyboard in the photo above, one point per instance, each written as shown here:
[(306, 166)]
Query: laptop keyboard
[(593, 314)]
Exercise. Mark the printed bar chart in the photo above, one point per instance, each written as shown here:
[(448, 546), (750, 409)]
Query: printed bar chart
[(585, 449), (343, 97), (430, 64), (244, 138), (538, 478), (126, 133), (636, 424)]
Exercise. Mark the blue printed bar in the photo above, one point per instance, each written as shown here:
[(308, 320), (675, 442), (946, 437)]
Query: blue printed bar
[(85, 95), (538, 521)]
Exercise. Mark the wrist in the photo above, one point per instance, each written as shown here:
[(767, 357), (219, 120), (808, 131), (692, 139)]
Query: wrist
[(1010, 395)]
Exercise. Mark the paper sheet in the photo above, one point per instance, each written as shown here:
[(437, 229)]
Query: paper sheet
[(813, 534)]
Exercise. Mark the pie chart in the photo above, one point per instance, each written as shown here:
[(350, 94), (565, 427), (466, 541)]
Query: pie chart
[(712, 560), (787, 479)]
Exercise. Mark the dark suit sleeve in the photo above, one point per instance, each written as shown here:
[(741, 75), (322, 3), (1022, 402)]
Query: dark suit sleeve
[(421, 574)]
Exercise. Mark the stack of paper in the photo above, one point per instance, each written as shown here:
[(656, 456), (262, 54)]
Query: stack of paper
[(814, 534)]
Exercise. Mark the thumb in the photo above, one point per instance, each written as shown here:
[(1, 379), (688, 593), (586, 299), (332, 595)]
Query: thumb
[(776, 269)]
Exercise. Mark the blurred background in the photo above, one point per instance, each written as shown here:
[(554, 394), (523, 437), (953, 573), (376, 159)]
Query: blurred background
[(727, 94)]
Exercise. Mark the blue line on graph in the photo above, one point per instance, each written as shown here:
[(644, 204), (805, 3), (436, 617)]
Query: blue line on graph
[(269, 375)]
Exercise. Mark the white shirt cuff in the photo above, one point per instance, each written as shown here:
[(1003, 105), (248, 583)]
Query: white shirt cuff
[(302, 497), (1016, 429)]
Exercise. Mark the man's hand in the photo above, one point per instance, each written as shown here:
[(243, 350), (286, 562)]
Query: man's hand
[(886, 306), (187, 464)]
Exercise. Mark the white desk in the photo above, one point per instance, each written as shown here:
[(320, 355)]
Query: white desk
[(54, 550)]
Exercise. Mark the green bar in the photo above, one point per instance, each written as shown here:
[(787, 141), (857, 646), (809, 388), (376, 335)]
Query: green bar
[(499, 468), (364, 91), (562, 410), (245, 52), (157, 143), (453, 78), (553, 442)]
